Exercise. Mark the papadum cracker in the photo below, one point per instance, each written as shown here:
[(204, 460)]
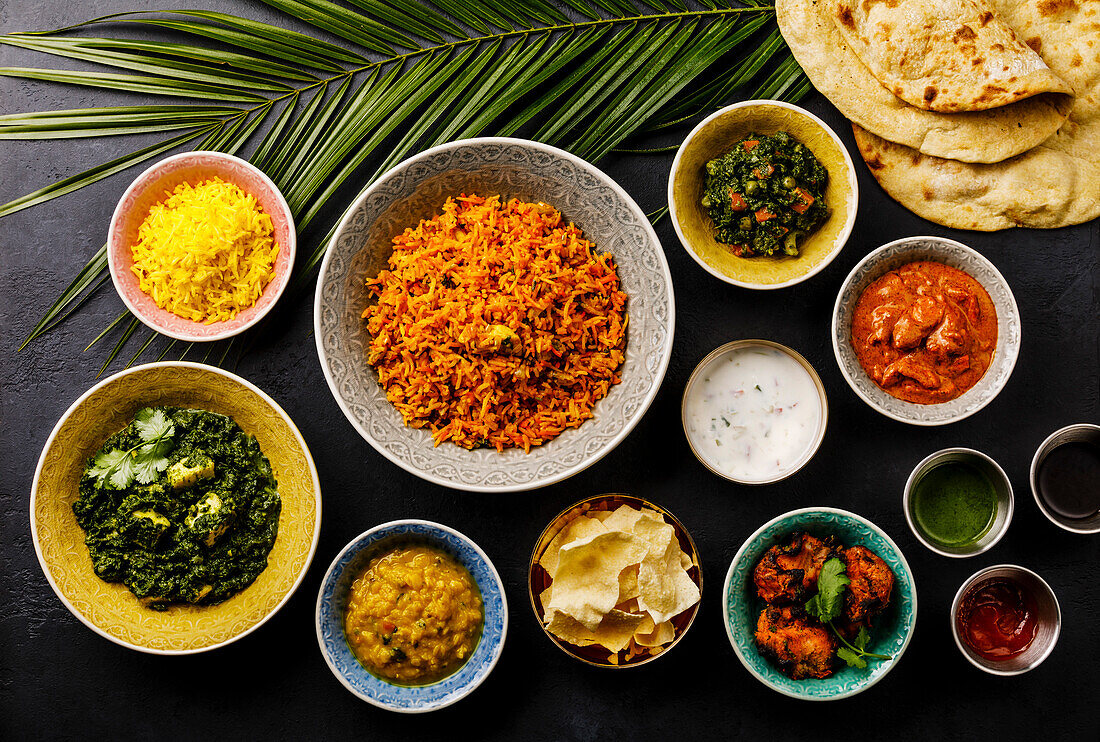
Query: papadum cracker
[(618, 578), (586, 582)]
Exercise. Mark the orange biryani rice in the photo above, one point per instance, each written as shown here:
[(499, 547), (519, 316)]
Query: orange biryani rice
[(496, 324)]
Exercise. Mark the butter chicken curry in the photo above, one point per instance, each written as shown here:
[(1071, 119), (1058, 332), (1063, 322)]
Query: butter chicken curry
[(925, 332)]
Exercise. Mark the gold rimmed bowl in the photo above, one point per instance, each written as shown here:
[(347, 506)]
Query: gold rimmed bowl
[(539, 580)]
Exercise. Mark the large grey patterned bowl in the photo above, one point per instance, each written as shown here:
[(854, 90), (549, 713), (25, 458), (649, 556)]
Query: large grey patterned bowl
[(416, 189), (957, 255)]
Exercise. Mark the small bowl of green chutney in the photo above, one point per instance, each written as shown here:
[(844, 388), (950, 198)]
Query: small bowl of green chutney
[(958, 502)]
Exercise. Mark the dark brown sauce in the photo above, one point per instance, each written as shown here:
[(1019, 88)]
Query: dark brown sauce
[(1069, 480)]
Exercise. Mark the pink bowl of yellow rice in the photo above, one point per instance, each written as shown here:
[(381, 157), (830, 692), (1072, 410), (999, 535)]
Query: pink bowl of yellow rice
[(201, 246)]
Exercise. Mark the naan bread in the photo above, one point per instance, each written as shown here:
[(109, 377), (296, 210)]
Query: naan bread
[(944, 55), (1053, 185), (977, 136)]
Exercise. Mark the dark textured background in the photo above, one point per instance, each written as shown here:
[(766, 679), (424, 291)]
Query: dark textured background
[(58, 680)]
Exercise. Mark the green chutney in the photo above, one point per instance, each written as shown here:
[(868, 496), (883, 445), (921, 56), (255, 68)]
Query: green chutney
[(954, 504)]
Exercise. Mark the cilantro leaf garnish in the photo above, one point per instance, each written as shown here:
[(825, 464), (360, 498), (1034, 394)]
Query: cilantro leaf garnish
[(152, 425), (853, 659), (117, 468), (862, 638), (112, 467), (150, 460), (831, 582)]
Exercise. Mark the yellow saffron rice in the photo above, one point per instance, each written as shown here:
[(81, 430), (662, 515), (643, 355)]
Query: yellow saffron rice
[(206, 252), (496, 324)]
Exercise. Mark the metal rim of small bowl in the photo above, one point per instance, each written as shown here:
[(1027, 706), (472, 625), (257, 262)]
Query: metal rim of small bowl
[(281, 282), (726, 585), (588, 460), (842, 296), (929, 463), (546, 537), (842, 238), (76, 405), (320, 607), (1053, 441), (733, 345), (973, 580)]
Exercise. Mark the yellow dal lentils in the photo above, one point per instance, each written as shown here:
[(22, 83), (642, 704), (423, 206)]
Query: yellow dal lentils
[(414, 615)]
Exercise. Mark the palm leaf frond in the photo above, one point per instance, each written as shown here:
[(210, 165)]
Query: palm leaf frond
[(104, 51), (587, 75)]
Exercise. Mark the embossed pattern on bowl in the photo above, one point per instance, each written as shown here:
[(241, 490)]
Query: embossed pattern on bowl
[(110, 609), (416, 189), (957, 255), (892, 630)]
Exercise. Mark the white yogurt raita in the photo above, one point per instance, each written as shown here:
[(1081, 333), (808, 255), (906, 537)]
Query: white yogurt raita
[(753, 413)]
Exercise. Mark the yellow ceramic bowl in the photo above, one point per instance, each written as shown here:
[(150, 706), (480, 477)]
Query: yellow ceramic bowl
[(714, 137), (110, 609)]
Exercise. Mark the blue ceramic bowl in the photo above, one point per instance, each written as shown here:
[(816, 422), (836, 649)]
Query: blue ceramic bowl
[(892, 630), (332, 602)]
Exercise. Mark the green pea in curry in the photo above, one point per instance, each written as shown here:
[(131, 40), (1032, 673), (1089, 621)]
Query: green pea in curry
[(766, 195), (181, 506)]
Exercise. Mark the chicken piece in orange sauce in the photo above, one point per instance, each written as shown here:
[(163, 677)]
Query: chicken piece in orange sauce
[(787, 573), (868, 593), (925, 332), (799, 647)]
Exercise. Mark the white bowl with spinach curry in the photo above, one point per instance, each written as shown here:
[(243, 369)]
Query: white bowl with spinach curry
[(175, 508), (763, 194)]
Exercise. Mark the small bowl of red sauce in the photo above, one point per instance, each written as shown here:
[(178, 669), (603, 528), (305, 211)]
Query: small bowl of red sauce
[(1005, 620)]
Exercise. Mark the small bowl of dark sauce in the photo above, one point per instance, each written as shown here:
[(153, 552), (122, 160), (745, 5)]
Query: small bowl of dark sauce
[(1065, 478), (958, 502), (1005, 620)]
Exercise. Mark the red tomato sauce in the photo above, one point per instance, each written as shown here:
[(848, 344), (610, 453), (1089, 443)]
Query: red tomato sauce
[(998, 619)]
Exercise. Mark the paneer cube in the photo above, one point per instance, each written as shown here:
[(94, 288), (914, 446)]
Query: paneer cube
[(191, 470)]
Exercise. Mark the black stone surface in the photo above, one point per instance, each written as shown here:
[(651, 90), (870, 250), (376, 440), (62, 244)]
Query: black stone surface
[(58, 680)]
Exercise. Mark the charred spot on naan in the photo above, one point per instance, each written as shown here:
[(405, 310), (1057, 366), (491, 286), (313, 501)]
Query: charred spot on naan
[(1054, 7), (844, 15), (965, 33)]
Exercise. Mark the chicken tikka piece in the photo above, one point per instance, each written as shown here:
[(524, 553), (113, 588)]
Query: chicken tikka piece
[(787, 573), (868, 593), (799, 647)]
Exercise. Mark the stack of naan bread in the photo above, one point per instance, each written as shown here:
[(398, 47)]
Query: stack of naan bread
[(974, 114)]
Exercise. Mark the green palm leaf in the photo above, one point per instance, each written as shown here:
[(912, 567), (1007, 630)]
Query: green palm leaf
[(102, 51), (92, 122), (587, 75)]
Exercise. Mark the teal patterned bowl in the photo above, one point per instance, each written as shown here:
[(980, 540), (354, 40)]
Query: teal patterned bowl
[(892, 631)]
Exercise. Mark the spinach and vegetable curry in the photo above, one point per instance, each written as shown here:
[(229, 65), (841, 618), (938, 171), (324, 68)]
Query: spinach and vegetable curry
[(181, 506), (766, 195)]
